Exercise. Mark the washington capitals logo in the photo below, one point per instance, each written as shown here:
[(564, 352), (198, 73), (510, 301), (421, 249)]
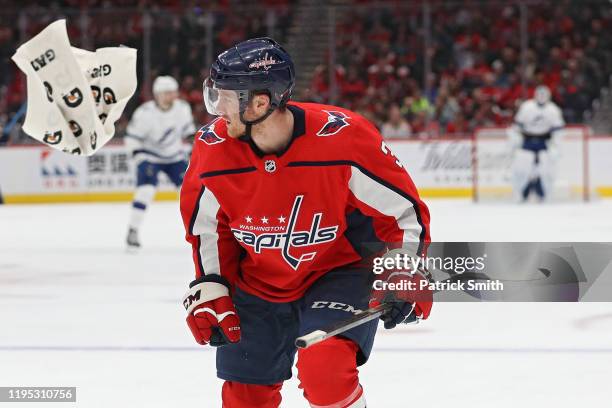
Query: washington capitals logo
[(208, 135), (335, 122), (290, 238), (265, 63)]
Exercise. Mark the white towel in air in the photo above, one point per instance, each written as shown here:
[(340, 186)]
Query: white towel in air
[(74, 96)]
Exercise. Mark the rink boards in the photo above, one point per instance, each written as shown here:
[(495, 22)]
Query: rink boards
[(440, 168), (35, 174)]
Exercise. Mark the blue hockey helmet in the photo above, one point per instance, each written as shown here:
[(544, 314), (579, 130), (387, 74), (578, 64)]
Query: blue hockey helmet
[(252, 67)]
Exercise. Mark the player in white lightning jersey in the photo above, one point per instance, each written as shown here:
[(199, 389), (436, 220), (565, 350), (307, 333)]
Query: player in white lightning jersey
[(533, 134), (155, 135)]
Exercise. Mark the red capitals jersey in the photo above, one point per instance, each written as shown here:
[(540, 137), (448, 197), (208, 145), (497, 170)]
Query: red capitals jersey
[(272, 224)]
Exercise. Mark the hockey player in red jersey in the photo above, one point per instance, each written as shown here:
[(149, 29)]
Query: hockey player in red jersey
[(283, 203)]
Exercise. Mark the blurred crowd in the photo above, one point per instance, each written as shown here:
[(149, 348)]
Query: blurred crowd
[(178, 36), (474, 52), (474, 48)]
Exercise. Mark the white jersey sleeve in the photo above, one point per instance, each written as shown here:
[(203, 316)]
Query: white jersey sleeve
[(556, 117), (521, 116), (188, 128), (139, 126)]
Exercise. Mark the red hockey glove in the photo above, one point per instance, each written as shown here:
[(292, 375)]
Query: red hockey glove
[(211, 315), (406, 292)]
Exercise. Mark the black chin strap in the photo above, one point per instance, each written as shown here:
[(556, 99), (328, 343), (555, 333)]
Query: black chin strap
[(249, 123)]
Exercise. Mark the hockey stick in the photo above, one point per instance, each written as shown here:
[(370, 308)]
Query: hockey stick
[(318, 336), (367, 315)]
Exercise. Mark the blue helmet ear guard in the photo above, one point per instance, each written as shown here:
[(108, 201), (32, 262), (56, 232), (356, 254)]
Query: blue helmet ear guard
[(252, 67)]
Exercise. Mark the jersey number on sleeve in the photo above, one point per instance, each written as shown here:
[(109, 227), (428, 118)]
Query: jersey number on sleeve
[(385, 149)]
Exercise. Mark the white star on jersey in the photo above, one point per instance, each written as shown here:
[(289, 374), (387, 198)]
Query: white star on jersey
[(264, 220), (281, 219), (248, 219)]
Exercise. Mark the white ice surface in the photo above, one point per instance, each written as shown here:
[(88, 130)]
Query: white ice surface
[(77, 310)]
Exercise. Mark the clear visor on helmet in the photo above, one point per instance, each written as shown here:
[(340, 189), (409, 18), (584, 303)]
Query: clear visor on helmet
[(220, 102)]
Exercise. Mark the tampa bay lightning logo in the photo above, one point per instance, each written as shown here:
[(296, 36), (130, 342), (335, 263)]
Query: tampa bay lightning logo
[(208, 135), (336, 121)]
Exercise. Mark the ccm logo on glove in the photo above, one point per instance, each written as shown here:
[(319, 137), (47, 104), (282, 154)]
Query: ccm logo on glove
[(211, 315)]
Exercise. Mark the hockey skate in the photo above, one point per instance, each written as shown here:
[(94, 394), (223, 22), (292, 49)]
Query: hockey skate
[(133, 244)]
